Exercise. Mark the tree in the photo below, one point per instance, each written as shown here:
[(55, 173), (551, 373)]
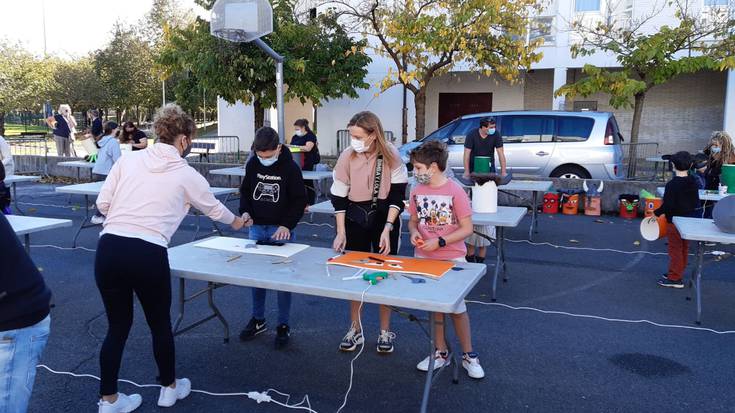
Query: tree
[(77, 83), (24, 80), (427, 38), (322, 61), (648, 58)]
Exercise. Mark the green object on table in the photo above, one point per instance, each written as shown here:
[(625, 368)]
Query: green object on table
[(482, 165), (294, 149), (646, 195), (374, 277), (727, 177)]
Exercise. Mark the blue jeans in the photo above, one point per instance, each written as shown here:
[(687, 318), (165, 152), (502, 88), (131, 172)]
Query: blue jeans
[(263, 233), (20, 351)]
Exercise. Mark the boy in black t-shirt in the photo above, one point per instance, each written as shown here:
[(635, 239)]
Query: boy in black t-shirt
[(681, 199)]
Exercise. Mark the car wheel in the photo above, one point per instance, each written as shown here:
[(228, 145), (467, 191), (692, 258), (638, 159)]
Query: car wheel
[(570, 172)]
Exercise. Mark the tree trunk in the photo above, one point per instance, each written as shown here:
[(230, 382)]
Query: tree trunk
[(419, 103), (633, 152), (316, 115), (2, 123), (259, 114)]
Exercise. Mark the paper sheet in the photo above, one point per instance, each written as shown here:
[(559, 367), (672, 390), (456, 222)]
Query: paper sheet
[(372, 262), (238, 245)]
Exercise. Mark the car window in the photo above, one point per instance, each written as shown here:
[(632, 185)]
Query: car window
[(612, 130), (574, 128), (465, 126), (441, 134), (527, 128)]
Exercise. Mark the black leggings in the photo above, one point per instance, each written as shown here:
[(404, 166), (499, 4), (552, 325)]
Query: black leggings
[(124, 266), (368, 240)]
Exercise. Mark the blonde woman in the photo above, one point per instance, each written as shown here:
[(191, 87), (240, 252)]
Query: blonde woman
[(368, 220), (721, 152), (62, 124)]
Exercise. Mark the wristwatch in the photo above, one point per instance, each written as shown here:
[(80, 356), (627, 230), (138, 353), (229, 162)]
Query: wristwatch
[(442, 242), (389, 225)]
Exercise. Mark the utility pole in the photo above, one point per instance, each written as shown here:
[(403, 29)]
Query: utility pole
[(43, 17)]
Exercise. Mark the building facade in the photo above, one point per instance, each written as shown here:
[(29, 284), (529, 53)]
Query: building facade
[(679, 115)]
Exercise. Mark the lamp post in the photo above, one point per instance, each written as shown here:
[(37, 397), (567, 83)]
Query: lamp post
[(247, 21)]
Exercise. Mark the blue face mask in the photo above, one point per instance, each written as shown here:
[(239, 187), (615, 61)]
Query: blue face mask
[(268, 161), (490, 131), (715, 149)]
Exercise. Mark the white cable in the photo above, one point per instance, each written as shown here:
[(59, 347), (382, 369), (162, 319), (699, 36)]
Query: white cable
[(362, 347), (595, 317), (259, 397), (62, 248)]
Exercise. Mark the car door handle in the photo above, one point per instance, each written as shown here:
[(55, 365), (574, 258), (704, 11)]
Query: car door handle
[(542, 153)]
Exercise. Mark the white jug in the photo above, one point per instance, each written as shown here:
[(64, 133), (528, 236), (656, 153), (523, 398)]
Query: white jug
[(485, 198)]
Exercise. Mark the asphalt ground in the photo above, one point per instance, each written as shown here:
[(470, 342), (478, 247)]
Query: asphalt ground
[(541, 350)]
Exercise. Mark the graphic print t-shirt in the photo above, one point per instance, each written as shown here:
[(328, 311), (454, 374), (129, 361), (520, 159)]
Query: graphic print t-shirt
[(439, 211)]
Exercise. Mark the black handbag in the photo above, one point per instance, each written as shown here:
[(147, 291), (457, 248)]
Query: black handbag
[(363, 213)]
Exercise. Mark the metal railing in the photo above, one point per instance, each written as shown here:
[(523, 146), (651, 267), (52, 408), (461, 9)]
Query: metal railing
[(217, 149), (343, 139), (34, 145), (635, 165)]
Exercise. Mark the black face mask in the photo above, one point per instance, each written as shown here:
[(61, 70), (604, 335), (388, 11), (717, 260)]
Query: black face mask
[(187, 151)]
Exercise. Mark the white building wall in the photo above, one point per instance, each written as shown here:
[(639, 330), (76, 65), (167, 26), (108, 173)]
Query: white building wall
[(236, 120)]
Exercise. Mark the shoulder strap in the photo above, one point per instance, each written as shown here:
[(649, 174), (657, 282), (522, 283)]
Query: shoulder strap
[(376, 182)]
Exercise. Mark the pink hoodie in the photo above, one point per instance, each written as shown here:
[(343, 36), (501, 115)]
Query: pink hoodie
[(148, 193)]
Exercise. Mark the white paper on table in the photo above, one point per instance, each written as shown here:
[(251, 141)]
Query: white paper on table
[(238, 245)]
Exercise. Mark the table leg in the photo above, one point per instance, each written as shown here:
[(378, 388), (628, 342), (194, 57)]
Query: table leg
[(217, 313), (452, 354), (534, 216), (430, 373), (698, 280), (84, 221), (27, 238), (499, 260), (15, 199), (182, 302)]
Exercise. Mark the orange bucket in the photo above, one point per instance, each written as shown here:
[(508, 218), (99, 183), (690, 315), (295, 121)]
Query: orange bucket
[(653, 228), (650, 205)]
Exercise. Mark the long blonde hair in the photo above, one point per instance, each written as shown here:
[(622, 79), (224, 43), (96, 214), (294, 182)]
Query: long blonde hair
[(371, 124), (727, 151)]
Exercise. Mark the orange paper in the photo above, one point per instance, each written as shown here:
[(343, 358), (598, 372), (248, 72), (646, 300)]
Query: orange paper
[(376, 262)]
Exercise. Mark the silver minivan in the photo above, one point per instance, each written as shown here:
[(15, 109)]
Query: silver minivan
[(556, 144)]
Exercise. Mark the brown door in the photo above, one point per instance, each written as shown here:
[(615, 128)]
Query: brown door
[(454, 105)]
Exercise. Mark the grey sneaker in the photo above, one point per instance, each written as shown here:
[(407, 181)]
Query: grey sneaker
[(385, 341), (351, 340)]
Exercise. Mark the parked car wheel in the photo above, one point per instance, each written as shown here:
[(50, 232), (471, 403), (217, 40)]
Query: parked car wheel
[(570, 172)]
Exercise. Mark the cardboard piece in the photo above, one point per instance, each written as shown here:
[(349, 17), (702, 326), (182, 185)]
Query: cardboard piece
[(372, 262), (239, 245)]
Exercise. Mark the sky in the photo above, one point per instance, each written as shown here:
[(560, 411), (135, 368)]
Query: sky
[(73, 27)]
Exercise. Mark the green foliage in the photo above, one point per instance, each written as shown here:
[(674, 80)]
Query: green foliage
[(24, 79), (77, 83)]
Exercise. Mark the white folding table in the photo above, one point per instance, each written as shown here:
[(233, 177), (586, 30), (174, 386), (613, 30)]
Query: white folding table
[(93, 189), (27, 225), (701, 231), (306, 273), (536, 187), (505, 217), (13, 180), (79, 165), (239, 171)]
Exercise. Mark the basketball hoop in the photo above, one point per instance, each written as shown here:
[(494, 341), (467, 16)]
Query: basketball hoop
[(241, 20)]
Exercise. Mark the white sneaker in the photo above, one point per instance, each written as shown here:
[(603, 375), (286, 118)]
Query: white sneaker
[(440, 360), (97, 219), (169, 396), (471, 363), (351, 340), (123, 404)]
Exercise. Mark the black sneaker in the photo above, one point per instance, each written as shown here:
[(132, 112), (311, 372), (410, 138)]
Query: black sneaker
[(385, 341), (670, 283), (283, 332), (470, 258), (480, 260), (253, 328)]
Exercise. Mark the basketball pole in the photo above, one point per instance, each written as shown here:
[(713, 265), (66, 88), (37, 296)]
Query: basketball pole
[(279, 85)]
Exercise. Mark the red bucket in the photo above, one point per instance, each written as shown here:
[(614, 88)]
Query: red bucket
[(551, 203), (628, 206), (650, 205)]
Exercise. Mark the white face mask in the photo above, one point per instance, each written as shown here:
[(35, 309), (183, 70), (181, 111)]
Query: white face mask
[(298, 132), (358, 145)]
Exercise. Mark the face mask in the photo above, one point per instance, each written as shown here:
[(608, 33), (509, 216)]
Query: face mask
[(715, 149), (423, 179), (358, 146), (186, 151), (491, 131), (298, 132), (268, 161)]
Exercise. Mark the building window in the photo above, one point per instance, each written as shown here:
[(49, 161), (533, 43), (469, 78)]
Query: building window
[(543, 27), (587, 5), (715, 3)]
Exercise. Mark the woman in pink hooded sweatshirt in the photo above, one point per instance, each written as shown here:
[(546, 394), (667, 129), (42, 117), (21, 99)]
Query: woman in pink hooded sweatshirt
[(145, 197)]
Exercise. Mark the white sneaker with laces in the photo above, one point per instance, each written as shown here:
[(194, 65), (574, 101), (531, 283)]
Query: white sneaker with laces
[(169, 396), (471, 363), (440, 360), (351, 340), (123, 404), (97, 219), (385, 341)]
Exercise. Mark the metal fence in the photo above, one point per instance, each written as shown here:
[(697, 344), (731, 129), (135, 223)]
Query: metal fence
[(343, 139), (635, 165), (217, 149), (30, 144)]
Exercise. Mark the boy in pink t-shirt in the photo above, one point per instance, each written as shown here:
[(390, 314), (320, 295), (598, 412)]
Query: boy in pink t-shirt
[(441, 218)]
